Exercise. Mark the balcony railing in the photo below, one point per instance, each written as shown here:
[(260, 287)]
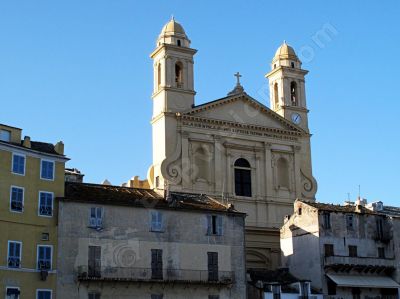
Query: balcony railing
[(358, 261), (85, 273)]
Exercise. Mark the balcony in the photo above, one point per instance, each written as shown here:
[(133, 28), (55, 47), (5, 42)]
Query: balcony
[(360, 264), (84, 273)]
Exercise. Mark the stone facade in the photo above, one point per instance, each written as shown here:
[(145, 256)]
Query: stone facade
[(127, 240), (331, 244), (234, 148)]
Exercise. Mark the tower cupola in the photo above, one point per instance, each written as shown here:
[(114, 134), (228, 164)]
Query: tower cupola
[(173, 34)]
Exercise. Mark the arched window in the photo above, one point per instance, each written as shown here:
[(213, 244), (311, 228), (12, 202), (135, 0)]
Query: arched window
[(178, 42), (159, 74), (178, 75), (283, 173), (293, 93), (242, 177), (276, 96)]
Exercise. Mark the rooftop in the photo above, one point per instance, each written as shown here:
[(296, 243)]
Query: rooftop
[(137, 197)]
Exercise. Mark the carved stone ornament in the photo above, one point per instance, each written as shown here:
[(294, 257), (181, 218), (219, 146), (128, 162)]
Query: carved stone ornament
[(171, 168), (308, 186)]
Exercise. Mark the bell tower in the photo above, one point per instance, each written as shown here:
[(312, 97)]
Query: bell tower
[(173, 89), (287, 86)]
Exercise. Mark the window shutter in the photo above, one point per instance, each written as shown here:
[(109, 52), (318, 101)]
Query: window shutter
[(92, 217), (99, 217), (160, 221), (219, 225), (209, 225)]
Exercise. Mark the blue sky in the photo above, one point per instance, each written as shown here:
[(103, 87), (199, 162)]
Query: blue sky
[(79, 71)]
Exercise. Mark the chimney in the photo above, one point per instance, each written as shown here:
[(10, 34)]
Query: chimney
[(27, 142), (59, 148)]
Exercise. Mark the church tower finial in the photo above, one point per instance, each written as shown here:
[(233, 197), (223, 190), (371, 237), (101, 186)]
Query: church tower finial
[(287, 86)]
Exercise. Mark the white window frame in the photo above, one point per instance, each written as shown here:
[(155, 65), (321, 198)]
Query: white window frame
[(52, 204), (9, 287), (20, 253), (157, 226), (51, 256), (12, 164), (23, 198), (44, 290), (41, 165)]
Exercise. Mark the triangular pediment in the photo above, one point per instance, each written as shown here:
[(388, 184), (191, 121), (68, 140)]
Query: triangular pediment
[(242, 109)]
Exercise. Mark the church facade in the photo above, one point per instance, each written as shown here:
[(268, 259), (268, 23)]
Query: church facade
[(233, 148)]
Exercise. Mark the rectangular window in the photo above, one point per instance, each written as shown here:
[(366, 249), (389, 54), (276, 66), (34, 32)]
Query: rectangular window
[(43, 294), (12, 293), (94, 261), (381, 252), (5, 135), (47, 170), (18, 164), (17, 199), (46, 204), (350, 222), (352, 251), (214, 225), (379, 228), (156, 264), (156, 221), (327, 220), (94, 296), (96, 217), (14, 254), (44, 256), (212, 266), (329, 250)]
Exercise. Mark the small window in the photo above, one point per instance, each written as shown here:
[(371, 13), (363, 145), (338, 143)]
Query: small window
[(214, 225), (327, 220), (45, 237), (12, 293), (178, 42), (276, 96), (300, 211), (329, 250), (157, 181), (179, 75), (47, 170), (46, 204), (14, 254), (94, 296), (43, 294), (292, 64), (350, 222), (44, 256), (5, 135), (96, 217), (352, 251), (17, 199), (381, 252), (275, 66), (156, 221), (18, 164)]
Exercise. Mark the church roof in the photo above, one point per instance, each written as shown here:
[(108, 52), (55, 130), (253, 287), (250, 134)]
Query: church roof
[(173, 27), (244, 96), (285, 52)]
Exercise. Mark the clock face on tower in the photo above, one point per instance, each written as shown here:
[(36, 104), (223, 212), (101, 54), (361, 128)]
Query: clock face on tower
[(296, 118)]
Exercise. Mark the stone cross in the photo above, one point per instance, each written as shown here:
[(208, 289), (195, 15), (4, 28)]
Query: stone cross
[(238, 75)]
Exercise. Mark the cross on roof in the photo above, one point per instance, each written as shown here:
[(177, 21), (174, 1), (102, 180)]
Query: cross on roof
[(238, 75)]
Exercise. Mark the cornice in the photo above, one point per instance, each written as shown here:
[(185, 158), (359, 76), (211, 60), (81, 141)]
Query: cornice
[(172, 47), (170, 88)]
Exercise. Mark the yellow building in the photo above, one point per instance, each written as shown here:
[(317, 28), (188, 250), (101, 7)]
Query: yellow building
[(31, 177)]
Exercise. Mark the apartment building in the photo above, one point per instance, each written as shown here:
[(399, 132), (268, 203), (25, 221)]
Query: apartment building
[(31, 177)]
